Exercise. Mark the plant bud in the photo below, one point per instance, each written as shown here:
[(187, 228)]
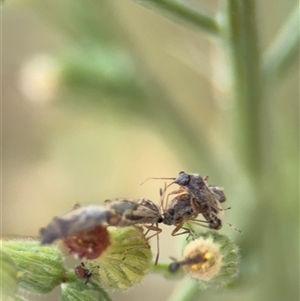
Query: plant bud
[(211, 258), (8, 276), (126, 261), (41, 267)]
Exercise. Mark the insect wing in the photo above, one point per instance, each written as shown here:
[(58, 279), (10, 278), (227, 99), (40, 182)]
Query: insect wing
[(79, 219), (148, 212), (219, 192), (178, 210), (131, 212)]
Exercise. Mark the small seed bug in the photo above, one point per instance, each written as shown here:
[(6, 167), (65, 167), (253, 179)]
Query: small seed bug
[(81, 271), (176, 265)]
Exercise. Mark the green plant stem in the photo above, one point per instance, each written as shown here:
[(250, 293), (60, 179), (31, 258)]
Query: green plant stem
[(186, 13), (240, 35), (284, 50), (163, 269), (186, 290)]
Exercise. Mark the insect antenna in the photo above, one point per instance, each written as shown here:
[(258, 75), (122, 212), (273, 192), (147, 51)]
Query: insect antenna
[(232, 226), (220, 209), (227, 222), (157, 179)]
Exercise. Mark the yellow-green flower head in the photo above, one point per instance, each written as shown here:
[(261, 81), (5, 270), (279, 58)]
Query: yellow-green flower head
[(209, 262), (41, 268), (126, 261), (8, 276), (211, 258)]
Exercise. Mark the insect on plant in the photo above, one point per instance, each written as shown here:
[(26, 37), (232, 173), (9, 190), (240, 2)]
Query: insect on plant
[(177, 212), (176, 265), (194, 196), (119, 212), (138, 212), (81, 271), (180, 210)]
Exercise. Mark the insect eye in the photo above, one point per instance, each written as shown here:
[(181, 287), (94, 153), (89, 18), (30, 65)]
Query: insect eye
[(171, 211), (183, 179)]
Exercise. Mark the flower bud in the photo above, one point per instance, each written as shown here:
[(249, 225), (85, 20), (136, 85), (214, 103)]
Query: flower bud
[(126, 261), (8, 276), (41, 267), (211, 258)]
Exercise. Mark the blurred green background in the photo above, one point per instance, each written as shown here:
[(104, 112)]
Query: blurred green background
[(100, 95)]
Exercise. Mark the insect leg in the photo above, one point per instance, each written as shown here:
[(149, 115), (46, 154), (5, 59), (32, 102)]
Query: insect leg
[(158, 231), (178, 227)]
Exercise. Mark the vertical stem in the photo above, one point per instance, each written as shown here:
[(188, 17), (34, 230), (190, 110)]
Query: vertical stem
[(241, 36), (187, 290), (284, 51), (186, 12)]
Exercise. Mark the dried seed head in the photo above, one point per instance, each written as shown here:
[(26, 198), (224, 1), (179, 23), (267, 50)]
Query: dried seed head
[(88, 244), (211, 258), (126, 261)]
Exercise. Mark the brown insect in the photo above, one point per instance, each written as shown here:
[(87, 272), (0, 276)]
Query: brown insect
[(81, 271), (206, 199), (194, 197), (138, 212), (131, 212), (177, 212), (74, 221), (119, 212), (180, 210)]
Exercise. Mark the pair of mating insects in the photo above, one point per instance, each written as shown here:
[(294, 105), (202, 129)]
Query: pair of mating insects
[(193, 197)]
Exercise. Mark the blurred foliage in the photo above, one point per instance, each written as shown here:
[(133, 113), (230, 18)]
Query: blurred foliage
[(251, 145)]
